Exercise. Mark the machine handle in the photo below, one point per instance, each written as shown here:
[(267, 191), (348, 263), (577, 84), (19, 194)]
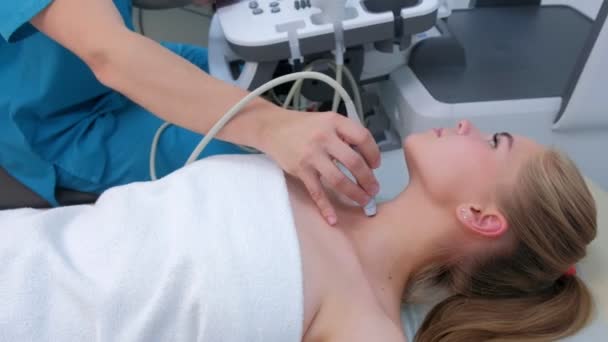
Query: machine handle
[(221, 55)]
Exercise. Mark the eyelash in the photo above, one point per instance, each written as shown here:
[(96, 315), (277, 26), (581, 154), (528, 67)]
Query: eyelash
[(494, 141)]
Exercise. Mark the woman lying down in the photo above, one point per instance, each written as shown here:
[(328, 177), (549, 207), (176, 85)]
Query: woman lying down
[(229, 249)]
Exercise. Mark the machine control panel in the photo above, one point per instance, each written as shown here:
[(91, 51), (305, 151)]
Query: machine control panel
[(254, 29), (273, 7)]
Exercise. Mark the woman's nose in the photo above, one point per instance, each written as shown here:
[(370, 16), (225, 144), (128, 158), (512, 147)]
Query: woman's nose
[(464, 127)]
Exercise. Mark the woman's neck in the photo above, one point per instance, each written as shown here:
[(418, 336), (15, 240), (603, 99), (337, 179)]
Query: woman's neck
[(394, 244)]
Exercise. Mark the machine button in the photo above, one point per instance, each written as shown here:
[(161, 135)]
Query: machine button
[(308, 4), (275, 10), (253, 4), (297, 4), (274, 4), (258, 11), (303, 3)]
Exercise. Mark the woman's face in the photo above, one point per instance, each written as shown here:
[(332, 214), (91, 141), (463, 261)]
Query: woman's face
[(461, 164)]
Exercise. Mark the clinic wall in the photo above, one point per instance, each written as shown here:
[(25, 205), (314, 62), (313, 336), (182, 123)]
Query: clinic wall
[(587, 108), (189, 25), (588, 7)]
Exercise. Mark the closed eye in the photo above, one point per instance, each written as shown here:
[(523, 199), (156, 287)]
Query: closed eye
[(496, 139)]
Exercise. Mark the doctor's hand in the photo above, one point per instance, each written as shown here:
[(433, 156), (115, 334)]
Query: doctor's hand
[(306, 145)]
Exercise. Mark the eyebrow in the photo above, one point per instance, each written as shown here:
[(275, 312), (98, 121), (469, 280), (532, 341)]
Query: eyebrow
[(508, 136)]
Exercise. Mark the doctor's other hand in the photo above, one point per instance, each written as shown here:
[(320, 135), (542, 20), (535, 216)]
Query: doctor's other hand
[(307, 145)]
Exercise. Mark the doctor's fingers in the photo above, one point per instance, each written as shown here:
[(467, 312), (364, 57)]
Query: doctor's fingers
[(312, 182), (367, 186), (359, 137)]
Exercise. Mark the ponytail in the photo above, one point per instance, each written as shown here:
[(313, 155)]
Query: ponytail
[(556, 312)]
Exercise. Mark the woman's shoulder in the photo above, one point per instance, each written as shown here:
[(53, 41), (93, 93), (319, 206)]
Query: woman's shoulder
[(354, 320)]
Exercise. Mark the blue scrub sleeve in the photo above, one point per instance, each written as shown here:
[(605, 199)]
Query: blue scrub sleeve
[(15, 16), (127, 147)]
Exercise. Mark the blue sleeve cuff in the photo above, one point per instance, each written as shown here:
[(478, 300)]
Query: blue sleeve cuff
[(15, 17)]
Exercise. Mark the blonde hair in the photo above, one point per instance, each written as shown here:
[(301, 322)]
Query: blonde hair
[(523, 294)]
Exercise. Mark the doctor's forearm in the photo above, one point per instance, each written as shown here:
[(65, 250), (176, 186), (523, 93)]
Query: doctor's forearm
[(179, 92), (149, 74)]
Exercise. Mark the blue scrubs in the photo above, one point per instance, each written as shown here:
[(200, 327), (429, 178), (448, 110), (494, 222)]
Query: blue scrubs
[(60, 127)]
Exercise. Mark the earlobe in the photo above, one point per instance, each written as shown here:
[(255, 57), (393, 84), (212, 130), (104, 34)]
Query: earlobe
[(464, 214), (489, 223)]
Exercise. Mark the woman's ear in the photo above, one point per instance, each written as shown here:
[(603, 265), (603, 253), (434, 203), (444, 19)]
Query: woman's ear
[(488, 222)]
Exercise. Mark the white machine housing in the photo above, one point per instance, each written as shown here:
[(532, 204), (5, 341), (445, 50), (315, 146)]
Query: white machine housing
[(257, 30), (280, 31)]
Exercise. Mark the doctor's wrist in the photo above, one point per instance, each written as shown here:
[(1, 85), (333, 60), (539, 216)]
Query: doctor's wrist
[(270, 123)]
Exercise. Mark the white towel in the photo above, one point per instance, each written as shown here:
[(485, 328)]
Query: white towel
[(209, 253)]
